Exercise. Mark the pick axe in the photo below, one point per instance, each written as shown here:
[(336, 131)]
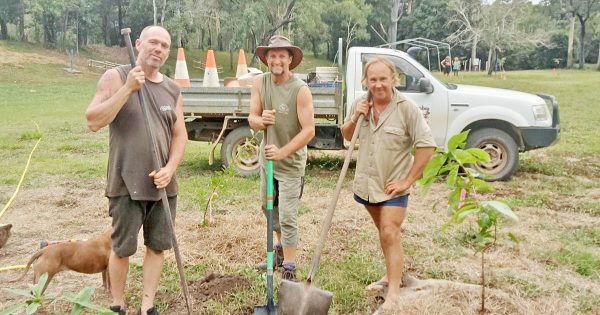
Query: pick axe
[(163, 194)]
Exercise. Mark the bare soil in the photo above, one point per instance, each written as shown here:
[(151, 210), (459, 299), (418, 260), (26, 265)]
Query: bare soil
[(77, 210)]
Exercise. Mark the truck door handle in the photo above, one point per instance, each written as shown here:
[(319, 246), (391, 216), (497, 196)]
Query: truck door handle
[(457, 106)]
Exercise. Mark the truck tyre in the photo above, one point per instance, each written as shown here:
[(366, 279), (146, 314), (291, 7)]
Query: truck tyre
[(502, 149), (240, 150)]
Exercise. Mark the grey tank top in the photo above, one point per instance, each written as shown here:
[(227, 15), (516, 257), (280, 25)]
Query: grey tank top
[(130, 157), (283, 98)]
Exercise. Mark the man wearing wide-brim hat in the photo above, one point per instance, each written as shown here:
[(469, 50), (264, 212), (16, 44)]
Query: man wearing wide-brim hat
[(284, 102)]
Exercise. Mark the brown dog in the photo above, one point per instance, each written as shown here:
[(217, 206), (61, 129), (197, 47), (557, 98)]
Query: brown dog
[(89, 256)]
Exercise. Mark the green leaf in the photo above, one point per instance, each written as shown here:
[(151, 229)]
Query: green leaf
[(20, 292), (513, 237), (501, 208), (479, 155), (32, 308), (36, 290), (458, 140), (463, 156), (434, 165), (482, 186), (451, 180), (13, 309)]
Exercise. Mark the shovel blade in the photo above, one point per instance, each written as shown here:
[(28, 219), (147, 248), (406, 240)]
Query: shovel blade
[(303, 299), (268, 309)]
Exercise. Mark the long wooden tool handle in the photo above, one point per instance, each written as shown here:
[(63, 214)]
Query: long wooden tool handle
[(156, 165), (333, 203)]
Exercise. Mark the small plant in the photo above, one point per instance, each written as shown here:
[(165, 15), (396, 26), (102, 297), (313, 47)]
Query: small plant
[(35, 298), (466, 197), (217, 182)]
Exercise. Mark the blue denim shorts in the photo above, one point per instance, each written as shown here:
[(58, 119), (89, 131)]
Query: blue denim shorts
[(400, 201)]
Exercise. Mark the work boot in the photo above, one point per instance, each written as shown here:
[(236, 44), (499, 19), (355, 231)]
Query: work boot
[(289, 273), (278, 261), (117, 309), (150, 311)]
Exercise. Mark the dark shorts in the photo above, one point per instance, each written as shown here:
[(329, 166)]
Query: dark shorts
[(128, 216), (446, 69), (401, 201)]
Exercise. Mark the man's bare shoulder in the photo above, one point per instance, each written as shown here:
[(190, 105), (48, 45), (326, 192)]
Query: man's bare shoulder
[(110, 79)]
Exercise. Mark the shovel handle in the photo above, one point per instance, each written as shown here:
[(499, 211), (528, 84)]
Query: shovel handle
[(155, 163), (333, 203)]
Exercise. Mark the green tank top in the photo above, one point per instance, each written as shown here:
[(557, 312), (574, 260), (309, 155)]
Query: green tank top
[(283, 98)]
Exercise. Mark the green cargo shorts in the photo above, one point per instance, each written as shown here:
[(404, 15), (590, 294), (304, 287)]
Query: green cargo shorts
[(128, 216), (287, 192)]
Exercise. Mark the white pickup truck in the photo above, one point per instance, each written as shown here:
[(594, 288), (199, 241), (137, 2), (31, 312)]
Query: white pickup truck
[(502, 122)]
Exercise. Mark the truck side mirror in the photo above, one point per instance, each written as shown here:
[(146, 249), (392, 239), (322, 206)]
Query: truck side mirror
[(425, 86)]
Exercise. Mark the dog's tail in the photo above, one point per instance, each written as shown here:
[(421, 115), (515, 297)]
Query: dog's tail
[(31, 260)]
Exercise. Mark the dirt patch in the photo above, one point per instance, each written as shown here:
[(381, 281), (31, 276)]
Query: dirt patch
[(213, 286), (21, 58), (114, 54)]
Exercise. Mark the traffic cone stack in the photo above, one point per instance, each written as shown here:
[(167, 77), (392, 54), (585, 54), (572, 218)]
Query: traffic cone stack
[(181, 72), (211, 76), (242, 68)]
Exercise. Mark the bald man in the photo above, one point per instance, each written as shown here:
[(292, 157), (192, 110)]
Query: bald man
[(133, 183)]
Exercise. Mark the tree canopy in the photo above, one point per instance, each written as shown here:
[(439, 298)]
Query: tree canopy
[(531, 35)]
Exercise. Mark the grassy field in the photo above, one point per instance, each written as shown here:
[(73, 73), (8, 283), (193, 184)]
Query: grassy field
[(556, 193)]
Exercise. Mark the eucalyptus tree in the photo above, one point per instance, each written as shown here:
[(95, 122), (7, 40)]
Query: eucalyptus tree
[(347, 19), (499, 25), (12, 11), (308, 29)]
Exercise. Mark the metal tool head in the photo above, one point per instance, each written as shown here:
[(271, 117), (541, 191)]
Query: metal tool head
[(125, 31), (296, 298), (269, 309)]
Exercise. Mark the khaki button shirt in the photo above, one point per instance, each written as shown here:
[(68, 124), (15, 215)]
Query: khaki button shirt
[(384, 151)]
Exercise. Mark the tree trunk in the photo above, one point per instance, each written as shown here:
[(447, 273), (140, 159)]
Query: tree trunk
[(491, 60), (473, 52), (598, 62), (570, 45), (154, 11), (200, 38), (21, 23), (105, 32), (120, 21), (162, 15), (3, 30), (395, 16), (581, 43)]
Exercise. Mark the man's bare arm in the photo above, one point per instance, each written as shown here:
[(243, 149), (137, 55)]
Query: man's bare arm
[(256, 107), (111, 94), (179, 139)]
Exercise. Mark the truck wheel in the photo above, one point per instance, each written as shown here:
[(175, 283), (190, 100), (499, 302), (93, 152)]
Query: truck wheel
[(240, 150), (502, 149)]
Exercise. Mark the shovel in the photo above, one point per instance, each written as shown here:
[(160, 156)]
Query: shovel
[(270, 308), (165, 203), (304, 298)]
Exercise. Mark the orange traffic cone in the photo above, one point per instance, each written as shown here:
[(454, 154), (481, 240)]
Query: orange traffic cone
[(181, 72), (242, 68), (211, 76)]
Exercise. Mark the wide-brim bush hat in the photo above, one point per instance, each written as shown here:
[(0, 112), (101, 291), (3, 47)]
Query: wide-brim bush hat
[(278, 41)]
